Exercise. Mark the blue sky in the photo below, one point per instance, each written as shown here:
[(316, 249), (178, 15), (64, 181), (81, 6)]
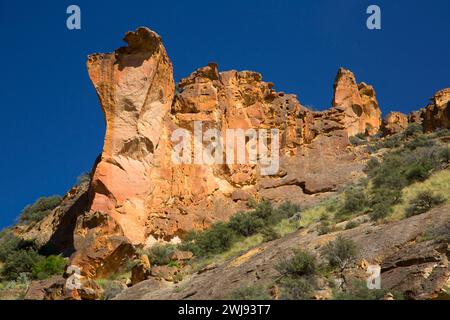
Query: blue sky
[(52, 128)]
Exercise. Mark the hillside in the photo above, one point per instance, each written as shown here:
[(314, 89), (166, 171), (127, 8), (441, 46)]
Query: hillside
[(329, 194)]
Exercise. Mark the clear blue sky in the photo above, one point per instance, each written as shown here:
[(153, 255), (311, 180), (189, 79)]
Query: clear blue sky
[(52, 126)]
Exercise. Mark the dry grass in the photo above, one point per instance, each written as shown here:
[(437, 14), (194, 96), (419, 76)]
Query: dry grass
[(438, 183)]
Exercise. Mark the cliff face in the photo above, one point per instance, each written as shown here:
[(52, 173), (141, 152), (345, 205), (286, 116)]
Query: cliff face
[(138, 195)]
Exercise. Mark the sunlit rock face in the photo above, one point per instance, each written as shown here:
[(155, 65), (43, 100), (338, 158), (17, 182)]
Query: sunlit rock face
[(437, 114), (358, 104), (138, 195)]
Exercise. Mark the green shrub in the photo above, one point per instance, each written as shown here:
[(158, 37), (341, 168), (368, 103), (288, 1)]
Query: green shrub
[(417, 172), (159, 254), (357, 140), (325, 227), (269, 234), (39, 210), (355, 201), (413, 129), (297, 288), (250, 292), (371, 165), (340, 252), (423, 202), (217, 239), (301, 264), (351, 225), (8, 244), (48, 266), (380, 211), (246, 224), (288, 209), (21, 261), (358, 290)]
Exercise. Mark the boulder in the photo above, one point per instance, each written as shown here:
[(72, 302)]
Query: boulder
[(140, 271), (394, 122)]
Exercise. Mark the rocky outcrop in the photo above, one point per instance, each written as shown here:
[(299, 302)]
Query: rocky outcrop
[(138, 195), (418, 269), (394, 122), (358, 104), (437, 114)]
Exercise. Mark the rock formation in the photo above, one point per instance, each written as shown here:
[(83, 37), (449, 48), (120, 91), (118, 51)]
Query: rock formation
[(437, 113), (138, 195), (358, 104), (394, 122)]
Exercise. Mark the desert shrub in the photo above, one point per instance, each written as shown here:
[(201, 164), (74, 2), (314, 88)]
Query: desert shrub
[(301, 264), (48, 266), (441, 132), (159, 254), (444, 154), (417, 172), (297, 288), (21, 261), (85, 177), (288, 209), (371, 165), (246, 224), (420, 142), (351, 225), (10, 243), (250, 292), (217, 239), (423, 202), (380, 211), (358, 290), (357, 140), (355, 201), (390, 142), (340, 252), (325, 227), (39, 210), (269, 234), (413, 129)]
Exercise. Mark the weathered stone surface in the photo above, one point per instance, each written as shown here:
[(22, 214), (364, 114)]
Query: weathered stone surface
[(54, 234), (142, 197), (419, 270), (38, 290), (141, 271), (394, 122), (393, 245), (101, 247), (167, 273), (358, 104), (182, 256), (437, 113)]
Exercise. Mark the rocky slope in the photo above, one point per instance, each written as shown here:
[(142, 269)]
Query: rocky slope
[(138, 196), (420, 268)]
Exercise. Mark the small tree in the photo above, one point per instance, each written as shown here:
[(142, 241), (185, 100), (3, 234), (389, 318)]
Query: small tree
[(48, 266), (340, 254), (301, 264), (39, 210), (423, 202)]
